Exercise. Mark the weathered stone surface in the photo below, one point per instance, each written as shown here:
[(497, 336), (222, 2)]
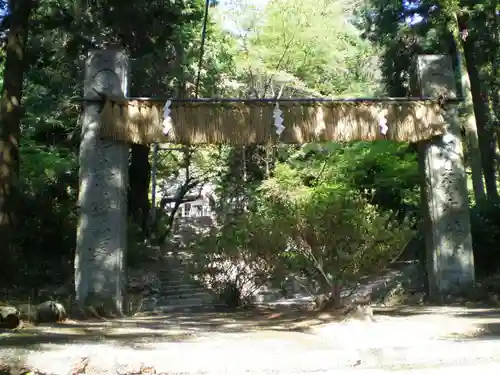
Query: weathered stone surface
[(450, 263), (50, 312), (359, 312), (9, 317), (27, 312), (45, 312), (101, 235)]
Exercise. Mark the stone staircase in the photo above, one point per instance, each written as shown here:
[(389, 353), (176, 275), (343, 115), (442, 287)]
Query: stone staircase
[(179, 291), (176, 290), (174, 287)]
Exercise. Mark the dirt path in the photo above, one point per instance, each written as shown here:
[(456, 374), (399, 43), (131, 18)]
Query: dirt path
[(273, 342)]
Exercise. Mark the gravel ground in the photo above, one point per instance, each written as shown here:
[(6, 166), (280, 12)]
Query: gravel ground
[(432, 341)]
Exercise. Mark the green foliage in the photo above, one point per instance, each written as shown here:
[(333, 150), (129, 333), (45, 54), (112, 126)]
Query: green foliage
[(311, 220), (385, 23), (158, 36), (384, 172), (286, 47), (294, 39), (239, 257), (485, 224), (47, 213), (338, 233), (331, 212), (45, 165)]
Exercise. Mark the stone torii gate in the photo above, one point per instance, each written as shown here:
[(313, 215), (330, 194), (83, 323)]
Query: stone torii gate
[(107, 131)]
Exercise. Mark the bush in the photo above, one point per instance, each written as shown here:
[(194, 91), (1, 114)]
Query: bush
[(231, 295), (337, 237), (44, 245), (485, 230), (237, 258), (327, 234)]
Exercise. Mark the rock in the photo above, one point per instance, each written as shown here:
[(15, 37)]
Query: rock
[(362, 313), (101, 306), (9, 317), (416, 298), (27, 312), (50, 312), (399, 285), (148, 304), (141, 282), (494, 299)]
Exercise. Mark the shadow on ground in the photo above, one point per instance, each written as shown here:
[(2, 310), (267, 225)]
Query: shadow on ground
[(187, 326), (174, 327), (485, 318)]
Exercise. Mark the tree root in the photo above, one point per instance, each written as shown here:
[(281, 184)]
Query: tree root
[(80, 368)]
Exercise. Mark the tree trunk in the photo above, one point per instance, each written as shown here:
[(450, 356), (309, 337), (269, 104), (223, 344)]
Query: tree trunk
[(11, 113), (336, 294), (495, 71), (484, 124), (467, 116), (139, 179), (170, 222), (179, 199)]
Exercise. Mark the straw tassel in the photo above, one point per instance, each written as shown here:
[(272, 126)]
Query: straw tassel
[(278, 120), (167, 121), (382, 121)]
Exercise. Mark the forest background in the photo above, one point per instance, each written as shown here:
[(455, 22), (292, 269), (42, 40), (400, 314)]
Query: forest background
[(279, 207)]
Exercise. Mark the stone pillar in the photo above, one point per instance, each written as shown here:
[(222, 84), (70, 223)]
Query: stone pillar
[(445, 206), (102, 226)]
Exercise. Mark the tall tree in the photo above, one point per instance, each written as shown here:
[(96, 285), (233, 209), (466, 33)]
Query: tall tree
[(462, 28), (17, 22), (479, 94), (293, 40), (453, 21)]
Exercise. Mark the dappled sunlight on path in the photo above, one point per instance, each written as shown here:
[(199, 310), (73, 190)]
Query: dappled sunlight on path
[(272, 342)]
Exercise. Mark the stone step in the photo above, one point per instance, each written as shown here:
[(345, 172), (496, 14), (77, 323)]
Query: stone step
[(188, 302), (178, 279), (178, 291), (177, 266), (169, 300), (184, 288), (174, 273), (176, 295), (175, 276), (181, 262), (172, 285), (186, 308), (186, 293)]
